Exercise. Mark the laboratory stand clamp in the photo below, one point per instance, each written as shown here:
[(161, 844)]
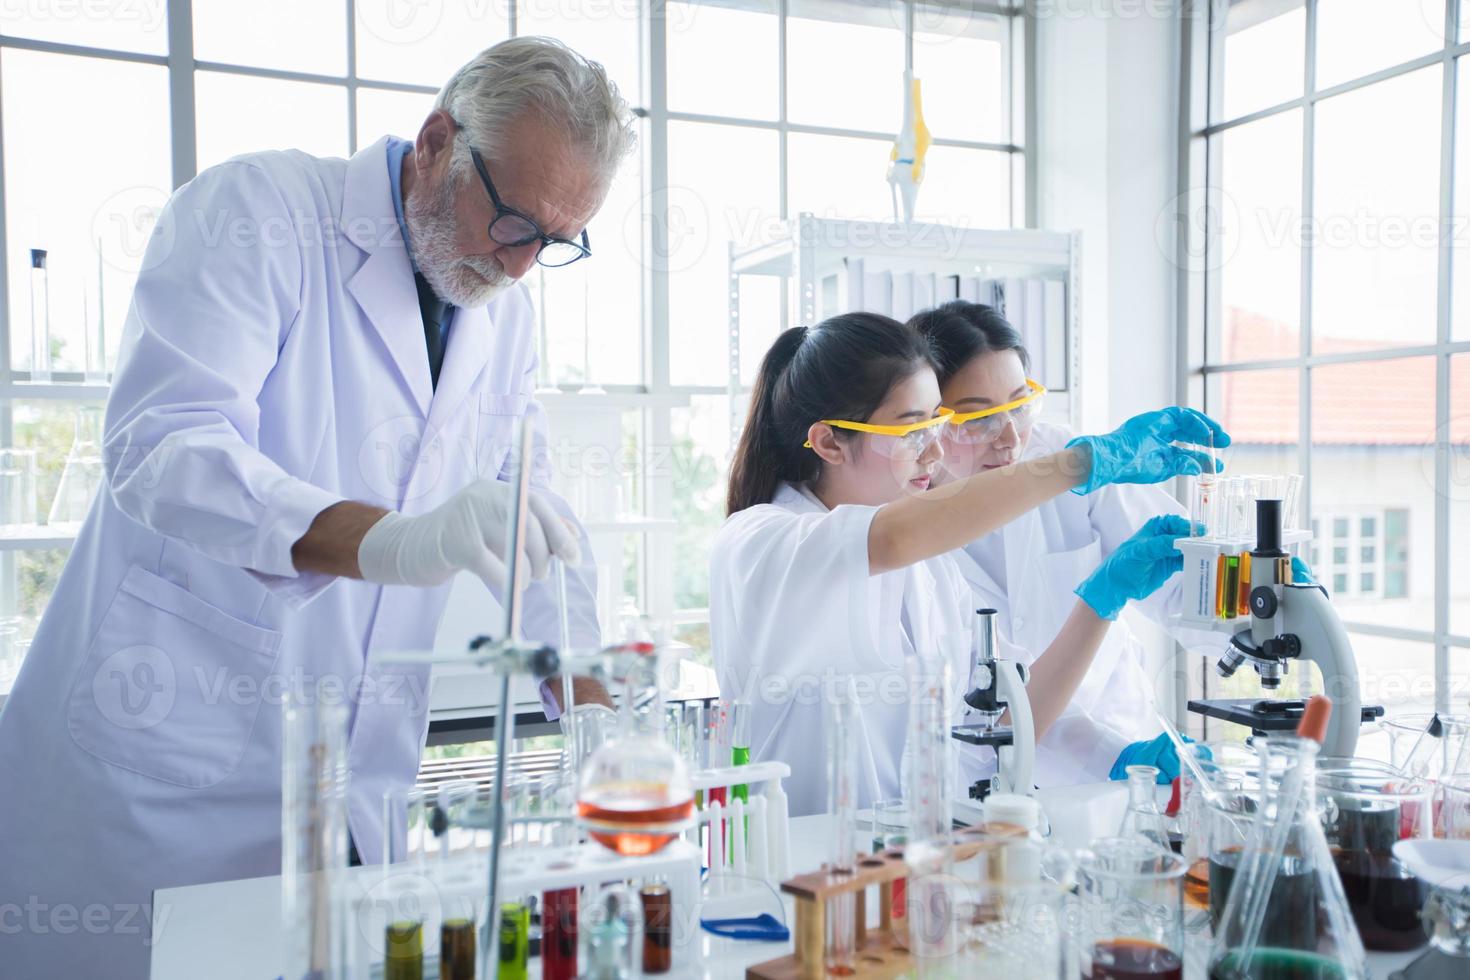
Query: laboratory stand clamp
[(1272, 620), (997, 685)]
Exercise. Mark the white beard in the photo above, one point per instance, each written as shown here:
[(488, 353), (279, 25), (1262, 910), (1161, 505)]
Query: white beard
[(465, 281)]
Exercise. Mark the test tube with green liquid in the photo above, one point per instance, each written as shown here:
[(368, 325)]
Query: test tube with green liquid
[(740, 756)]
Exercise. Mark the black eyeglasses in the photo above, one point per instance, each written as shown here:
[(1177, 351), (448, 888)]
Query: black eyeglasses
[(513, 228)]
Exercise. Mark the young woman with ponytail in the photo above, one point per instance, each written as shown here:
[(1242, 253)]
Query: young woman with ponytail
[(833, 562)]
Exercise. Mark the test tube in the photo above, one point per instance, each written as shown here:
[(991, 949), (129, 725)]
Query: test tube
[(1290, 501), (40, 318), (658, 934), (740, 756), (403, 825), (403, 951), (842, 731), (515, 941), (457, 949)]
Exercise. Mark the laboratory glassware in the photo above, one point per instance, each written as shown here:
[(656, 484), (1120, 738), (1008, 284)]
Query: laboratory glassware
[(1368, 808), (314, 840), (457, 949), (81, 475), (96, 330), (17, 486), (1131, 924), (633, 794), (891, 829), (1143, 819), (842, 729), (1011, 927), (1286, 913), (40, 318), (403, 952), (658, 928), (515, 941), (927, 772), (611, 931)]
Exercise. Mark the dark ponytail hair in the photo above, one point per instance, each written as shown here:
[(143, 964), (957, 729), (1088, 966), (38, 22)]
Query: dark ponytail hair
[(842, 368), (960, 330)]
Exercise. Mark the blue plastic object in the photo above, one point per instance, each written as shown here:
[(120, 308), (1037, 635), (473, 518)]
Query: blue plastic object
[(764, 928), (1142, 449), (1137, 567)]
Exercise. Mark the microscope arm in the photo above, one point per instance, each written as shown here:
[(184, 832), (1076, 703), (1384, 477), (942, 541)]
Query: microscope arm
[(1308, 614), (1017, 761)]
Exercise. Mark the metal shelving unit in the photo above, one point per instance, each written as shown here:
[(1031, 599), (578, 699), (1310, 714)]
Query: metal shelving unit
[(811, 248)]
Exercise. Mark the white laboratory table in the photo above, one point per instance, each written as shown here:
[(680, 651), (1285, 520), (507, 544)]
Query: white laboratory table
[(230, 930)]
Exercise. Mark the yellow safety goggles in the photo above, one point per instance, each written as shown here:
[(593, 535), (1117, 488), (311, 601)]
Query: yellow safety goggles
[(910, 440), (987, 424)]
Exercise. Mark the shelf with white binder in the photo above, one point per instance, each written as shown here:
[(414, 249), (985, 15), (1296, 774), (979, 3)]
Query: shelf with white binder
[(833, 266)]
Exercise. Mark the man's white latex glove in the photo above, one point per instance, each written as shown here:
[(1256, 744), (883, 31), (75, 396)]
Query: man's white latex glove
[(465, 532)]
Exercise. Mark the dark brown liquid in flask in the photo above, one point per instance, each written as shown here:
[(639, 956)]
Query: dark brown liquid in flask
[(1134, 959), (1385, 899), (1291, 911)]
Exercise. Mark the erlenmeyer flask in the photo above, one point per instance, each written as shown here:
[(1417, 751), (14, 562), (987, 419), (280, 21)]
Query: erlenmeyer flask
[(1286, 915), (1143, 819), (82, 474), (633, 794)]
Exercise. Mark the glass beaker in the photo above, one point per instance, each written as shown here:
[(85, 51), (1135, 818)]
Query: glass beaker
[(633, 794), (1366, 809), (1010, 922), (1143, 819), (1286, 914), (17, 486), (1428, 745), (1132, 921), (82, 473), (1452, 808)]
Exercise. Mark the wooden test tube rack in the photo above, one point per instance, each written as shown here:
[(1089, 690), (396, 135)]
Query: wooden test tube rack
[(877, 953)]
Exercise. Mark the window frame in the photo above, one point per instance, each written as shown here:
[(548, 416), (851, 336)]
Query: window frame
[(1202, 34), (655, 395)]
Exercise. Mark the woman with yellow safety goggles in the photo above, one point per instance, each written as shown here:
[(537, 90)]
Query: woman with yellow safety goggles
[(1028, 569), (835, 560)]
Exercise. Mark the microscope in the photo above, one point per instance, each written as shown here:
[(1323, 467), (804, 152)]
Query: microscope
[(1272, 621), (994, 686)]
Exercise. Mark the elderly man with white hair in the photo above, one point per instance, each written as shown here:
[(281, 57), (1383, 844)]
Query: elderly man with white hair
[(323, 366)]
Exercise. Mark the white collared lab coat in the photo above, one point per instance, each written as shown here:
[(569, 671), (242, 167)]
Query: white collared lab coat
[(794, 611), (272, 364), (1046, 553)]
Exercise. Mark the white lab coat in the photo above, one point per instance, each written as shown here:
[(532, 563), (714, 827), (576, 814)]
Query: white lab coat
[(1045, 554), (272, 364), (794, 611)]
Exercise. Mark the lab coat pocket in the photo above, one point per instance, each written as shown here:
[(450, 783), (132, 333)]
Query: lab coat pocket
[(497, 420), (171, 686)]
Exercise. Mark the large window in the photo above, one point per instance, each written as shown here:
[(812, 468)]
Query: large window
[(749, 111), (1325, 282)]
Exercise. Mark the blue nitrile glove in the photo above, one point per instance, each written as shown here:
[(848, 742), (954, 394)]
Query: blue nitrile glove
[(1300, 573), (1138, 567), (1142, 449), (1157, 752)]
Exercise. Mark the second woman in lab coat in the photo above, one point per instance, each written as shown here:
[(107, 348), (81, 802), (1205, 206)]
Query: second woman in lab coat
[(834, 565), (1029, 569)]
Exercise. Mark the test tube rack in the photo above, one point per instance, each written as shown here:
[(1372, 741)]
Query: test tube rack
[(761, 852), (1202, 580), (878, 954), (434, 890)]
